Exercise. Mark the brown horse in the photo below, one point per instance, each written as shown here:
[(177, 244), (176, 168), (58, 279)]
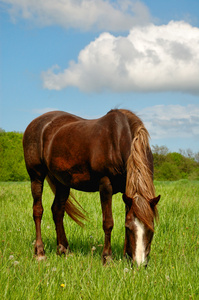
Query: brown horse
[(110, 155)]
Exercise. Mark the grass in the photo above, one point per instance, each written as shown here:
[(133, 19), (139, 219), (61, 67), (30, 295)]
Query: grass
[(172, 273)]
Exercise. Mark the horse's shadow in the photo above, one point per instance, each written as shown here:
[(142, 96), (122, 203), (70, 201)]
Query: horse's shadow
[(84, 247)]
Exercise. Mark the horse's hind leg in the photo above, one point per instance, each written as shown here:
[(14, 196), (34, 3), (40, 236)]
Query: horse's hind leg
[(105, 189), (58, 209), (37, 188)]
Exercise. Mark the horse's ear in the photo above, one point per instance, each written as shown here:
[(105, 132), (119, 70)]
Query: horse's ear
[(154, 201), (127, 200)]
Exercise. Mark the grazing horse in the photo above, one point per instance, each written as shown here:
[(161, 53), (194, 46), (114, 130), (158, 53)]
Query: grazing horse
[(110, 155)]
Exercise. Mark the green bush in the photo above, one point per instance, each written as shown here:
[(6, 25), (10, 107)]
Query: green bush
[(12, 165), (167, 171), (174, 166)]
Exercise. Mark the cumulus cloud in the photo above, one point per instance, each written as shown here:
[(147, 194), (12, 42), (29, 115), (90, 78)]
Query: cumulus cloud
[(171, 121), (82, 14), (150, 58)]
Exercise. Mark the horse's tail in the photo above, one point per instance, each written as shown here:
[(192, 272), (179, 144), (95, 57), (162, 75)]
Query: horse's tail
[(140, 164), (74, 212)]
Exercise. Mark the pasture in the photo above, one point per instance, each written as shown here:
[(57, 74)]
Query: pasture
[(172, 272)]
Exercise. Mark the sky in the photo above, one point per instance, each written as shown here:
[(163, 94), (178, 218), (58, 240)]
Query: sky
[(87, 57)]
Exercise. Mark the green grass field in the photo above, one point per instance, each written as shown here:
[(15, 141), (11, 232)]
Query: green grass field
[(172, 272)]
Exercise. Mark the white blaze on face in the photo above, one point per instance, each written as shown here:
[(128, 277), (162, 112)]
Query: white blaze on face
[(140, 249)]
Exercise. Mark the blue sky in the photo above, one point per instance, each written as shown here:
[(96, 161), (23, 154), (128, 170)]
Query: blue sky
[(87, 57)]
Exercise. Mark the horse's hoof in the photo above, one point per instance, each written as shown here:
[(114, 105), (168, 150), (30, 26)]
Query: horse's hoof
[(40, 257), (39, 250), (107, 260), (62, 250)]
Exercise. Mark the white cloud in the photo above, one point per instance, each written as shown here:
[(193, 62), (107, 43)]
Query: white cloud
[(82, 14), (151, 58), (171, 121)]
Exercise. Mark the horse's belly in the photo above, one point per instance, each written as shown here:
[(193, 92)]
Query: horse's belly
[(84, 182), (77, 177)]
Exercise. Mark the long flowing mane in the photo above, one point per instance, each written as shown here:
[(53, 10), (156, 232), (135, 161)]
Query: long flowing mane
[(139, 165)]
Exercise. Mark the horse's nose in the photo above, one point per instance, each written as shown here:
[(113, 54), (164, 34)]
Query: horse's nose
[(140, 264), (147, 261)]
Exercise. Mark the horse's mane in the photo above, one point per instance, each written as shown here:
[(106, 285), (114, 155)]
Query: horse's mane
[(139, 165), (139, 181)]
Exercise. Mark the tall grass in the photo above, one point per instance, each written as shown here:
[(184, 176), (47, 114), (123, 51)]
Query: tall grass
[(172, 272)]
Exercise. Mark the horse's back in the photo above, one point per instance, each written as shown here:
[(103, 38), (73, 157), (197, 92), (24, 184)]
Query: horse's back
[(33, 138), (57, 118)]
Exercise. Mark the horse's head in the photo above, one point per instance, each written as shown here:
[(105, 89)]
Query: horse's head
[(140, 214)]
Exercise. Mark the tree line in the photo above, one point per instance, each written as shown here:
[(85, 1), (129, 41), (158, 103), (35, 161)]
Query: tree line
[(175, 165), (167, 166)]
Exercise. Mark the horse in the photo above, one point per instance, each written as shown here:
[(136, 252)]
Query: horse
[(110, 154)]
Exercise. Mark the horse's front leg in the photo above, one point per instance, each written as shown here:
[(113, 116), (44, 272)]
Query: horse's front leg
[(106, 191)]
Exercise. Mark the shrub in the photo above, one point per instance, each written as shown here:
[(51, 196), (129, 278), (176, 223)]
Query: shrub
[(12, 165)]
